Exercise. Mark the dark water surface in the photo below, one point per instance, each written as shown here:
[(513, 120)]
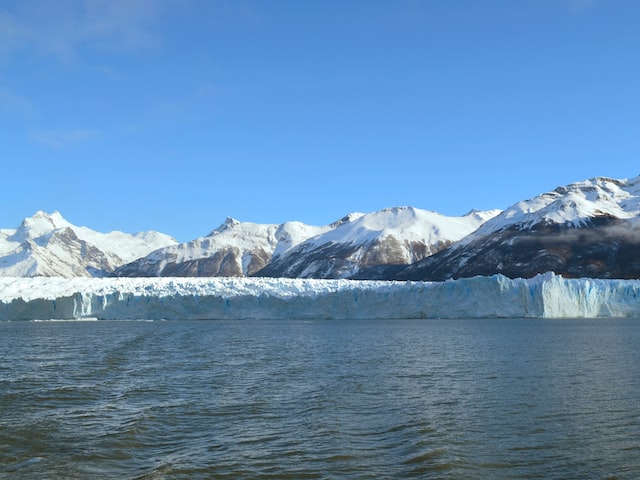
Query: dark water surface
[(459, 399)]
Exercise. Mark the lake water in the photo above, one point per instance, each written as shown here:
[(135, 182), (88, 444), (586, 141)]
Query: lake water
[(458, 399)]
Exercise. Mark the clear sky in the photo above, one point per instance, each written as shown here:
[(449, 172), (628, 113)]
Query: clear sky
[(173, 114)]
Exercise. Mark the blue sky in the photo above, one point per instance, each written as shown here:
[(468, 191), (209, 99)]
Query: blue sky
[(174, 114)]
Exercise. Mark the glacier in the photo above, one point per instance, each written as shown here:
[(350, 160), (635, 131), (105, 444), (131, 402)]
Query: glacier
[(546, 295)]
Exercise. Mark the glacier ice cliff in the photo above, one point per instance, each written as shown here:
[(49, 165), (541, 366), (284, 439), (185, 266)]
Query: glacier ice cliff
[(546, 295)]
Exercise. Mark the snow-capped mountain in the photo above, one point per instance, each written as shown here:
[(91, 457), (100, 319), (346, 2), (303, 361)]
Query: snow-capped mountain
[(363, 244), (234, 249), (348, 248), (48, 245), (586, 229)]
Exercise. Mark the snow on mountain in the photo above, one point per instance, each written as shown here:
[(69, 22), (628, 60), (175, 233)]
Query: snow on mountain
[(342, 249), (361, 244), (48, 245), (585, 229), (233, 249), (574, 205), (545, 295)]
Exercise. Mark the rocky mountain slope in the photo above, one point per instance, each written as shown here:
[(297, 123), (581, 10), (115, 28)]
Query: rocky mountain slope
[(365, 244), (347, 248), (234, 249), (48, 245), (585, 229)]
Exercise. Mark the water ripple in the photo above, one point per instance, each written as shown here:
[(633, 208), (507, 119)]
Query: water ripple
[(355, 399)]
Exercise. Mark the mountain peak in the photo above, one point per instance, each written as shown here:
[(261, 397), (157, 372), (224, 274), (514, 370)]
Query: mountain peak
[(46, 244), (350, 217), (53, 217), (572, 205), (482, 215), (399, 209), (229, 223), (41, 223)]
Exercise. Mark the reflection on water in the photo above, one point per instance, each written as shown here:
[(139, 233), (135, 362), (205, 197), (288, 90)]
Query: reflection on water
[(328, 399)]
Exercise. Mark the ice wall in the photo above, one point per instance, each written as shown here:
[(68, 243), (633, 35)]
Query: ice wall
[(546, 295), (589, 298)]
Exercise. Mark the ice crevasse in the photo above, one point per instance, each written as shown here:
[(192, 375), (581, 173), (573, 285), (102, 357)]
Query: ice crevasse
[(545, 295)]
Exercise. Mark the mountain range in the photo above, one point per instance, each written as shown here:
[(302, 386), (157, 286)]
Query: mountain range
[(585, 229), (362, 246)]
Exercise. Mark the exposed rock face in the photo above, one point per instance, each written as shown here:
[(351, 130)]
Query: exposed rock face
[(586, 229), (570, 252), (352, 247), (373, 245), (235, 249), (91, 261), (336, 260), (226, 262)]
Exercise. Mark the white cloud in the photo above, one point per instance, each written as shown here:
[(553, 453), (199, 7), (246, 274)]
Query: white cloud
[(12, 34), (63, 27), (581, 5), (63, 139), (13, 104)]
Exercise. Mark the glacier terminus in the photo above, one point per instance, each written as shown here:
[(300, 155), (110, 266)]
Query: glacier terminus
[(547, 295)]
